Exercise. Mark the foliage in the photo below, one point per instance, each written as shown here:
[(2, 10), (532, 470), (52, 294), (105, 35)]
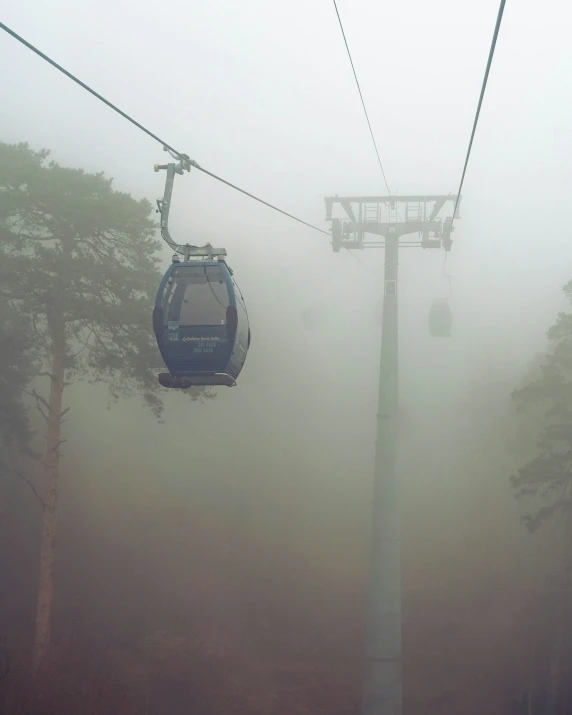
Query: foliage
[(77, 252), (17, 366), (546, 477), (16, 370)]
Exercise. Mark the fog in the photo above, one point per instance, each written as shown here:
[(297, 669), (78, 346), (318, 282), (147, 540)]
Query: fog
[(280, 467)]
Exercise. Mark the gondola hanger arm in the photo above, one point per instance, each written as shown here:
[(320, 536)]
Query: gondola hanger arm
[(164, 205), (187, 250)]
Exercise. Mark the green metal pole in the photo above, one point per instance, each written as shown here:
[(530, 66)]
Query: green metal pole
[(382, 694)]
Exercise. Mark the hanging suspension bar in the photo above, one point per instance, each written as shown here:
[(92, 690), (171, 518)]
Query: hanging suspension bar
[(187, 250), (164, 204)]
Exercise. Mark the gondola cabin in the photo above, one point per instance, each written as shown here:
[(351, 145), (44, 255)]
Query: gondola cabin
[(440, 319), (201, 325)]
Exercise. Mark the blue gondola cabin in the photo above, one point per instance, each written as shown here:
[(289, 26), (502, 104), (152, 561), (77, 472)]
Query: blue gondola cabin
[(201, 325)]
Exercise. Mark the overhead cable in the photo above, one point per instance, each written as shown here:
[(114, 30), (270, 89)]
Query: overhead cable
[(483, 88), (252, 196), (27, 44), (362, 99)]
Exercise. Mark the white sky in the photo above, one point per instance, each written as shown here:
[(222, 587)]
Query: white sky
[(262, 94)]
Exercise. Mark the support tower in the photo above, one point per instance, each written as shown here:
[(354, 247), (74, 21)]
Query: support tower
[(388, 219)]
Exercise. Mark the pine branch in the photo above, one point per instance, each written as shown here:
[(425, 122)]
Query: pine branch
[(39, 402), (56, 447), (33, 488), (42, 400)]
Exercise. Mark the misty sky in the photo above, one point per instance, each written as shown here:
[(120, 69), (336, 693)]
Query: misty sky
[(262, 94)]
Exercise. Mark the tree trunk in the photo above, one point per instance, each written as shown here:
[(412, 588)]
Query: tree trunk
[(50, 498)]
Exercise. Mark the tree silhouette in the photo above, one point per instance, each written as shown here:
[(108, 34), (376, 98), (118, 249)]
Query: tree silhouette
[(16, 371), (546, 477), (83, 266)]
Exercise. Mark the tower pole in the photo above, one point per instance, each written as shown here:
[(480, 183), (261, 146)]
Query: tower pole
[(383, 684), (382, 692)]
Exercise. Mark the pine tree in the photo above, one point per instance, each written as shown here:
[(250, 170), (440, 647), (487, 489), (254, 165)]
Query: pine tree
[(544, 481), (546, 477), (82, 262)]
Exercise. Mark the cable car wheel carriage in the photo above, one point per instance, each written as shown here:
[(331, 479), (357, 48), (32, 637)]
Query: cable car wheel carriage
[(200, 318)]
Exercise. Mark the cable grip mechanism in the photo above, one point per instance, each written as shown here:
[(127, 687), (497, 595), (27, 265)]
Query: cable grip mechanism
[(183, 164)]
